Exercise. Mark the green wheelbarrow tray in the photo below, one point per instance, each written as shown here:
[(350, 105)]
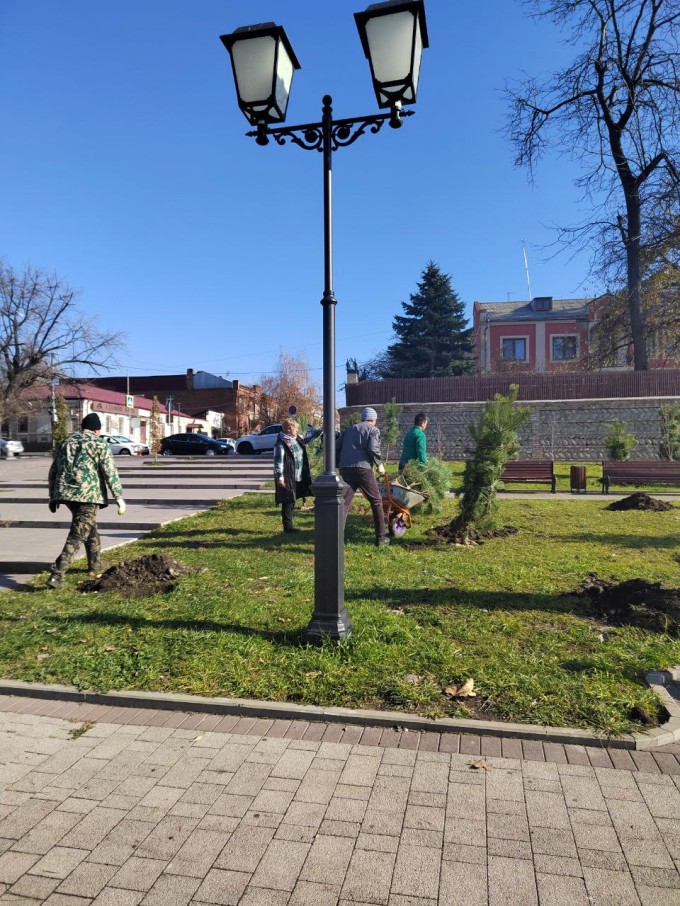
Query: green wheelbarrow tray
[(402, 495)]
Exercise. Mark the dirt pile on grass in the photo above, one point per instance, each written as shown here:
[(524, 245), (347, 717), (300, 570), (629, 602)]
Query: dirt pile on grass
[(641, 501), (451, 534), (150, 575), (635, 602)]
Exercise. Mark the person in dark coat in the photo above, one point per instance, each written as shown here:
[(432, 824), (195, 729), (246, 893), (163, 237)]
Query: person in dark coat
[(358, 451), (292, 477)]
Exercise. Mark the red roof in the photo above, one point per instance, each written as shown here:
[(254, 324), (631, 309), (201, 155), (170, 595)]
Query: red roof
[(96, 394)]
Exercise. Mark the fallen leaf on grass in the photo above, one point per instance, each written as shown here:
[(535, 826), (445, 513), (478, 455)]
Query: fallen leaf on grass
[(41, 656), (465, 690), (51, 630), (413, 679), (480, 764), (312, 673), (110, 648), (283, 619)]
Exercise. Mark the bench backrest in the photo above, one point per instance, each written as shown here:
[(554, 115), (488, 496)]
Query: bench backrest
[(642, 467), (541, 468)]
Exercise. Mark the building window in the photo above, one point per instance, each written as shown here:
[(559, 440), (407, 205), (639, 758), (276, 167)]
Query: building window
[(514, 348), (564, 349), (22, 425)]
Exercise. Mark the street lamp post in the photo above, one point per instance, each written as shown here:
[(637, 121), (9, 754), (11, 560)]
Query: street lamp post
[(393, 36)]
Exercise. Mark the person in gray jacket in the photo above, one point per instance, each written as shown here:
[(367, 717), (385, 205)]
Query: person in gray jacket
[(358, 450)]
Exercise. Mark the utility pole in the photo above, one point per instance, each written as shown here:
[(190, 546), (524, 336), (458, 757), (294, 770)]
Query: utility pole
[(526, 268)]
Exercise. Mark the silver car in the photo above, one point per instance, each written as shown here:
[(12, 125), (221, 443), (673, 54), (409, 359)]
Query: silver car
[(259, 441), (10, 448), (123, 446)]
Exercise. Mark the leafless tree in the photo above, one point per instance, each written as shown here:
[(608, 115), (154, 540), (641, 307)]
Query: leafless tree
[(42, 334), (611, 338), (615, 109), (290, 384)]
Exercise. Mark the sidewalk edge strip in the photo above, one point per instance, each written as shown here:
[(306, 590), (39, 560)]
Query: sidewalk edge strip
[(288, 711)]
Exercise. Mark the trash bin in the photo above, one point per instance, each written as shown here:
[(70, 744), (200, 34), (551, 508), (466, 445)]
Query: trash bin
[(577, 479)]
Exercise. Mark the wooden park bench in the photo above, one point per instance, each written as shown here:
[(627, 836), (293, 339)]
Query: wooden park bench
[(527, 471), (639, 472)]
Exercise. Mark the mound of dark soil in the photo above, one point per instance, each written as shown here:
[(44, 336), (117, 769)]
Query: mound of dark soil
[(635, 602), (641, 501), (150, 575), (452, 535)]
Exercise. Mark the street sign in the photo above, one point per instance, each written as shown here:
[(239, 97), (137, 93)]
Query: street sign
[(129, 402), (292, 410)]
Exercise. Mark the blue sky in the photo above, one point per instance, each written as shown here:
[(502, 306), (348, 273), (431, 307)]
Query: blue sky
[(125, 169)]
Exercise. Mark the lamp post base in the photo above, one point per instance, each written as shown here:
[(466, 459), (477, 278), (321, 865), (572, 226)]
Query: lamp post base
[(330, 619)]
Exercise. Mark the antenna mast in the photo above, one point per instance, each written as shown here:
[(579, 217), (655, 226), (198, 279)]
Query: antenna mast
[(526, 268)]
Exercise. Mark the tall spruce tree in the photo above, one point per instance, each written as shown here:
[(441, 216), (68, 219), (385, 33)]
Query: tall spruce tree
[(433, 339)]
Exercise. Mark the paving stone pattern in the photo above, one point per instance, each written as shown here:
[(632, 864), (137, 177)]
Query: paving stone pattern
[(216, 811)]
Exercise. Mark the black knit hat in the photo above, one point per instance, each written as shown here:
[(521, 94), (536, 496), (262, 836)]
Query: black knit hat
[(91, 422)]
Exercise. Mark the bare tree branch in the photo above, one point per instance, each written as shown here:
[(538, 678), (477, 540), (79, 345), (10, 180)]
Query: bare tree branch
[(43, 335), (616, 110)]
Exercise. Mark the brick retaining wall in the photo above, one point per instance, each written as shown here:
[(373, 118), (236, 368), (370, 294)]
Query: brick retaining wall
[(568, 430)]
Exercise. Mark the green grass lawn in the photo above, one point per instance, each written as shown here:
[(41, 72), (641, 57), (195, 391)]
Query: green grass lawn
[(500, 613)]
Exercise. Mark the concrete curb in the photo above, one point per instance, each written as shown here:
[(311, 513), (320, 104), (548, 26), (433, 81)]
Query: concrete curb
[(103, 525), (661, 681), (285, 711)]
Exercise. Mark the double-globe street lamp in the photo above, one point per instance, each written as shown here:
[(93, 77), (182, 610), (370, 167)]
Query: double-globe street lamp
[(393, 36)]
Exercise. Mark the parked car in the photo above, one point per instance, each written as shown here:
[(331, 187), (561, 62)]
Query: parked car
[(192, 445), (10, 448), (259, 441), (229, 443), (123, 446)]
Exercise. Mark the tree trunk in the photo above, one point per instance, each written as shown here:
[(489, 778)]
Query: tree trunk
[(634, 281)]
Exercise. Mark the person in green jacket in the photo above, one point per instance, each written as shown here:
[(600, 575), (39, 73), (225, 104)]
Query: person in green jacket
[(79, 475), (415, 442)]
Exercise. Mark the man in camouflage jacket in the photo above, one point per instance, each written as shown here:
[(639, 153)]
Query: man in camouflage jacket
[(79, 475)]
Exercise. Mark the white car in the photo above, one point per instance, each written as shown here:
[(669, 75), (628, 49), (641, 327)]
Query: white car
[(260, 441), (10, 448), (229, 443), (123, 446)]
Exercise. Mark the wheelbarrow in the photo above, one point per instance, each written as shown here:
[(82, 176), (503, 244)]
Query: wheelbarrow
[(398, 501)]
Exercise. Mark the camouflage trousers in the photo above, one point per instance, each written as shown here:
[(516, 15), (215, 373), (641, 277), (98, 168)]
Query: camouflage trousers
[(83, 531)]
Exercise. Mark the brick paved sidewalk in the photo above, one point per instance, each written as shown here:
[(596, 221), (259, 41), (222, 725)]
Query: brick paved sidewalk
[(257, 813)]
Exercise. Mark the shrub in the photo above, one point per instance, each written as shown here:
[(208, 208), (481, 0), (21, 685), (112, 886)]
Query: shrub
[(390, 428), (618, 442), (496, 442), (669, 447), (60, 423), (433, 480)]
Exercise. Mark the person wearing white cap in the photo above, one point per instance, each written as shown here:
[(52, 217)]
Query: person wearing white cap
[(358, 449)]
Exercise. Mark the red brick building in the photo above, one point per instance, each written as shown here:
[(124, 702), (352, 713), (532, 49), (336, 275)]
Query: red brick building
[(547, 335), (194, 393)]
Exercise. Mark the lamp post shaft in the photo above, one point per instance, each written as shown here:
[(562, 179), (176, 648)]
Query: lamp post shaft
[(329, 619), (328, 301)]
